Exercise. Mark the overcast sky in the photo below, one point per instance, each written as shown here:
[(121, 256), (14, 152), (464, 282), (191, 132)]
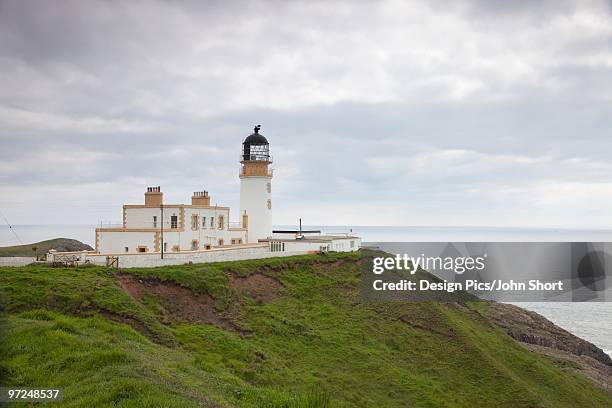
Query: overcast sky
[(483, 113)]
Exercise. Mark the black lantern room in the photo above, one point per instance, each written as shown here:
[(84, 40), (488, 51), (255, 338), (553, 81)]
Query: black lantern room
[(256, 147)]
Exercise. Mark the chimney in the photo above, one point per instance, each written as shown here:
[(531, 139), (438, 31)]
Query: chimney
[(200, 198), (154, 197)]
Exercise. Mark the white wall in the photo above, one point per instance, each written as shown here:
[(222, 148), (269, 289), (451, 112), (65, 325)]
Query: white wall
[(336, 245), (344, 245), (303, 246), (181, 258), (235, 253), (16, 260), (254, 198), (114, 242), (142, 218), (205, 233)]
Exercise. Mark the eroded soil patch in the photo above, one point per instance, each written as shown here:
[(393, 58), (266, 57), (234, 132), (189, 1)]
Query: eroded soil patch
[(136, 324), (259, 287), (176, 302)]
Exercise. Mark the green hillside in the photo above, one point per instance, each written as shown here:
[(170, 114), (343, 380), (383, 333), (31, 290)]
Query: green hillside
[(285, 332), (42, 247)]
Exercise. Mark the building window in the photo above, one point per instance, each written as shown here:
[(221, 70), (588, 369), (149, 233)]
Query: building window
[(236, 241), (204, 222), (221, 242), (194, 245), (165, 247), (176, 248), (141, 249), (221, 222), (127, 249), (155, 221), (277, 246), (174, 221), (212, 222), (269, 187), (352, 244), (195, 222), (269, 204), (207, 246)]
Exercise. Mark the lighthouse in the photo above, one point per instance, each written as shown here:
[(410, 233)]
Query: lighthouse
[(201, 232), (256, 186)]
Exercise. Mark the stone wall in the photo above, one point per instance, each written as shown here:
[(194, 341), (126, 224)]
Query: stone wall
[(16, 260), (147, 260)]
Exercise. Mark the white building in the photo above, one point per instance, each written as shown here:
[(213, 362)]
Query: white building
[(155, 226), (157, 233)]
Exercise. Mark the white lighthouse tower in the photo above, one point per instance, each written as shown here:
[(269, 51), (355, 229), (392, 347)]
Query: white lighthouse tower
[(256, 186)]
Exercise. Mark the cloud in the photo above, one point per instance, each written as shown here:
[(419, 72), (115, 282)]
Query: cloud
[(16, 120), (378, 113)]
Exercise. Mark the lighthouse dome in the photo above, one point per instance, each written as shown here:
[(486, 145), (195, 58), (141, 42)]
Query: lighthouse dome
[(256, 147), (256, 138)]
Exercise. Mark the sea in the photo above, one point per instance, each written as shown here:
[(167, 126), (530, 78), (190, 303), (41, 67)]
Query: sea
[(591, 321)]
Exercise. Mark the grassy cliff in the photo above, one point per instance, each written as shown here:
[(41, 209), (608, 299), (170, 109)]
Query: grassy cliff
[(286, 332), (42, 247)]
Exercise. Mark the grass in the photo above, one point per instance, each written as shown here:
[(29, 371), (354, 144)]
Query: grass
[(316, 345), (42, 247)]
